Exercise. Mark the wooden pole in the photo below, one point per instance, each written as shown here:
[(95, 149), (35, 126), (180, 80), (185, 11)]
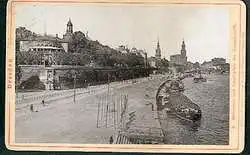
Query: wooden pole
[(101, 97), (106, 111), (117, 112), (75, 88), (121, 110), (97, 125), (114, 111)]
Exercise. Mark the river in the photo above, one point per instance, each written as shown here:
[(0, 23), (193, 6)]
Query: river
[(213, 98)]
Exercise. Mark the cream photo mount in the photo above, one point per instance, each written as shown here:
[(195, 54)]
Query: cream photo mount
[(237, 37)]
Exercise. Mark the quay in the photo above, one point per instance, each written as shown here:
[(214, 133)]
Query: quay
[(65, 122)]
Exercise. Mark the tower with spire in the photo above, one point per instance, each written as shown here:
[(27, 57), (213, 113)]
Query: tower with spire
[(69, 32), (158, 51), (183, 52), (183, 49), (69, 27)]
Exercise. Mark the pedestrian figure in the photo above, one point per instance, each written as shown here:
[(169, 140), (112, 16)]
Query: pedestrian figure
[(152, 107), (31, 108), (43, 102), (111, 140)]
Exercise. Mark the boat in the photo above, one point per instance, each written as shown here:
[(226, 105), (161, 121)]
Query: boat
[(184, 108), (171, 98)]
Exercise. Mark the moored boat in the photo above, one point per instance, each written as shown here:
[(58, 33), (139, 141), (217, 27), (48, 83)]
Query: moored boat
[(169, 97), (184, 107)]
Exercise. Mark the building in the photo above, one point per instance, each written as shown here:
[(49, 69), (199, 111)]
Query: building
[(178, 62), (69, 32), (157, 57), (46, 46), (218, 64), (218, 61), (179, 59), (158, 51)]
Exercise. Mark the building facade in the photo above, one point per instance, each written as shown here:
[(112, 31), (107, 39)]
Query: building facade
[(46, 47), (178, 62), (216, 64)]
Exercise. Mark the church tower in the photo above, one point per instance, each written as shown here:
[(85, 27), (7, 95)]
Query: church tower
[(69, 27), (69, 32), (158, 51), (183, 49), (183, 53)]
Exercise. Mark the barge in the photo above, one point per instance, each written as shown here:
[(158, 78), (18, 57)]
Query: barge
[(170, 97)]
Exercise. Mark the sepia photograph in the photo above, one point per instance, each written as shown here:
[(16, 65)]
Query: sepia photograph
[(114, 73)]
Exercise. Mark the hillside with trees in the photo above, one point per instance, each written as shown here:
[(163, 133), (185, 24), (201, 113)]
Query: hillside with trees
[(82, 52)]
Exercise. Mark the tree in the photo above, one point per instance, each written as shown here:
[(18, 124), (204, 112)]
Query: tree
[(164, 63), (78, 43), (196, 65), (23, 34), (32, 82)]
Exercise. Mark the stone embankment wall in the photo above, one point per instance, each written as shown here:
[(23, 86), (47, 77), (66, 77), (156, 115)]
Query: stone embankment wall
[(28, 71)]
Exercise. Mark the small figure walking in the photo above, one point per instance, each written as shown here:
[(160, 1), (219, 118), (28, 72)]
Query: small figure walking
[(111, 140), (31, 108), (43, 103), (152, 106)]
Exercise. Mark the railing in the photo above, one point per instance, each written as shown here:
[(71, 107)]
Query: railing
[(121, 139)]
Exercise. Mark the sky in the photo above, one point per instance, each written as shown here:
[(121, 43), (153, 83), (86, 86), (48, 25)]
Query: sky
[(204, 29)]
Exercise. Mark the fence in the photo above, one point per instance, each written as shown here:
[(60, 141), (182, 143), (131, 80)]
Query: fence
[(34, 96), (111, 110)]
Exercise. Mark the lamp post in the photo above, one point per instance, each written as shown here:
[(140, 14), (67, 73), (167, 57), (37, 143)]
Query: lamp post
[(75, 87), (74, 76), (145, 59)]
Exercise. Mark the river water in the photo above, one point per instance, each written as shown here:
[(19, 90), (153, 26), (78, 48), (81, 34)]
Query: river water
[(213, 129)]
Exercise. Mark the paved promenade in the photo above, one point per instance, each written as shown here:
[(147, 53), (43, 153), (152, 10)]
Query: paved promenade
[(62, 121)]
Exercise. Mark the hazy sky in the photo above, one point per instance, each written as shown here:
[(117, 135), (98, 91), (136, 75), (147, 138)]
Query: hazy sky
[(204, 29)]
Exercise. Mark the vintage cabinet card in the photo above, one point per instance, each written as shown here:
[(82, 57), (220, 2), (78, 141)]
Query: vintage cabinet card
[(125, 76)]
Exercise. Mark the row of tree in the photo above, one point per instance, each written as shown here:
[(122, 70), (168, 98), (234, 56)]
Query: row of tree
[(94, 77)]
